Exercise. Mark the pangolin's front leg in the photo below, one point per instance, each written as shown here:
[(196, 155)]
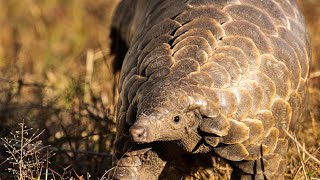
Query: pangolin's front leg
[(136, 161)]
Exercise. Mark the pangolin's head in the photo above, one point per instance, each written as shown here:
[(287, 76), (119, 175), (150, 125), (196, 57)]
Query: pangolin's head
[(164, 114)]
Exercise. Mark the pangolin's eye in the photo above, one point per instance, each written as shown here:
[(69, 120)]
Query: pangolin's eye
[(176, 119)]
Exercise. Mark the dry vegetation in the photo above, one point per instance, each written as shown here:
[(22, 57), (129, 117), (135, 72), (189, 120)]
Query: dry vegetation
[(56, 75)]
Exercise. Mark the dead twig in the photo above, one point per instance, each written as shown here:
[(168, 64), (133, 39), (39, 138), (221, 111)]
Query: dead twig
[(301, 147)]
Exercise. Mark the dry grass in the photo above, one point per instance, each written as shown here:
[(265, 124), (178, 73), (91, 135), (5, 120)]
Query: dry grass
[(28, 157), (304, 161), (56, 74)]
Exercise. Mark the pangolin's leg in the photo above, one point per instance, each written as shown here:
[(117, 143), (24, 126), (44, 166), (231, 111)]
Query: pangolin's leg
[(134, 161)]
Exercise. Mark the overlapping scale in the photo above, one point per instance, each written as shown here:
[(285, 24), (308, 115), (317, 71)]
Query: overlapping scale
[(302, 90), (254, 166), (166, 26), (256, 151), (161, 72), (153, 43), (201, 42), (234, 152), (203, 23), (206, 107), (213, 94), (220, 76), (267, 119), (127, 70), (283, 52), (244, 102), (238, 133), (128, 81), (273, 159), (203, 78), (131, 113), (254, 15), (186, 65), (230, 64), (215, 3), (269, 87), (212, 106), (175, 76), (215, 125), (161, 50), (277, 71), (246, 45), (271, 140), (273, 9), (147, 86), (227, 102), (188, 81), (298, 46), (287, 7), (203, 12), (124, 126), (235, 53), (191, 52), (157, 63), (156, 14), (134, 88), (298, 29), (256, 130), (211, 140), (256, 93), (282, 113), (296, 104), (206, 34), (282, 147), (249, 30)]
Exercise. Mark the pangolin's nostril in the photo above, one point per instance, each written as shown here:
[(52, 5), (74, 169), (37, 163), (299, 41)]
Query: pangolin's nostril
[(138, 133)]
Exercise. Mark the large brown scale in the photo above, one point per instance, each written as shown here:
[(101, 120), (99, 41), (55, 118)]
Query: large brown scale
[(224, 78)]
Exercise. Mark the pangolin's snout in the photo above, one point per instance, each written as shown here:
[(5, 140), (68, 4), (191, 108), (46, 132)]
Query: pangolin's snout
[(139, 133)]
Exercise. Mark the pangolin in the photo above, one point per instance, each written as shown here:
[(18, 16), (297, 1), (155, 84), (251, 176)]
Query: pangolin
[(226, 78)]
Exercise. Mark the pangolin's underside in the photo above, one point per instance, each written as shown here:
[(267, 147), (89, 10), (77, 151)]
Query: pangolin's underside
[(226, 77)]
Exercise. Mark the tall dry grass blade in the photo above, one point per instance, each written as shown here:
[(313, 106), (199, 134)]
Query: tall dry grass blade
[(301, 147), (315, 74), (88, 77), (302, 162)]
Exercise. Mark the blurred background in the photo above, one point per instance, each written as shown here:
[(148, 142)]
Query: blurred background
[(56, 75)]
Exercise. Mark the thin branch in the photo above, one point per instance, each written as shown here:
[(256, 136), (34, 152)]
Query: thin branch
[(301, 147), (315, 74)]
